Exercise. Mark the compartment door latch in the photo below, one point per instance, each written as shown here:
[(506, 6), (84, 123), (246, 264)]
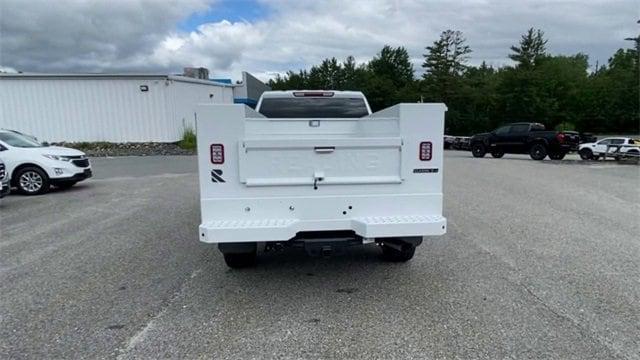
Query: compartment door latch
[(317, 177)]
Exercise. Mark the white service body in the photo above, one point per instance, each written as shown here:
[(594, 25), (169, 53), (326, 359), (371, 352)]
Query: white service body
[(281, 176)]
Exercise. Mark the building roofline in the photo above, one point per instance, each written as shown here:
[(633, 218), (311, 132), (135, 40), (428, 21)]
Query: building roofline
[(180, 78)]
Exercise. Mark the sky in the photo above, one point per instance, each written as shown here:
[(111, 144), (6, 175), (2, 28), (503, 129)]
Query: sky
[(268, 37)]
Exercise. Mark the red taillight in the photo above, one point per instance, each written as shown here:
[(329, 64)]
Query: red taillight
[(560, 137), (425, 151), (217, 154)]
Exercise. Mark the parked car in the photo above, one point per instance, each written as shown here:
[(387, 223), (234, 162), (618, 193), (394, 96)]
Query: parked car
[(4, 180), (448, 141), (616, 147), (462, 143), (368, 178), (33, 167), (525, 138)]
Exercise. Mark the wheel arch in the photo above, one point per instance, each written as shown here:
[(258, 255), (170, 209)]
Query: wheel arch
[(14, 178), (538, 141), (484, 142)]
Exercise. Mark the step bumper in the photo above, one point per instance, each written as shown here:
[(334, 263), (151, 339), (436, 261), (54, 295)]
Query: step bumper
[(266, 230)]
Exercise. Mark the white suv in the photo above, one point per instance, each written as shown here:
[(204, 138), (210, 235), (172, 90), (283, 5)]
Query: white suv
[(33, 167), (612, 146)]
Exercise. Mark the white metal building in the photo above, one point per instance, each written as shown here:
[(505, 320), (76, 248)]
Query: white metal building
[(108, 107)]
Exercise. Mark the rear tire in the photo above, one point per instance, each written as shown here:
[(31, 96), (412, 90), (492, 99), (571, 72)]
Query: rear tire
[(394, 255), (538, 152), (240, 261), (32, 180), (586, 154), (478, 150)]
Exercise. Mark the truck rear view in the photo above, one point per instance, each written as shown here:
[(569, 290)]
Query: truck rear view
[(316, 169)]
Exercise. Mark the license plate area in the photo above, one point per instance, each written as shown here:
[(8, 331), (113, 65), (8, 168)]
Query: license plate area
[(267, 162)]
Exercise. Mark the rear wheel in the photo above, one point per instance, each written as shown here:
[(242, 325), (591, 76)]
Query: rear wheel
[(586, 154), (32, 180), (538, 152), (478, 150)]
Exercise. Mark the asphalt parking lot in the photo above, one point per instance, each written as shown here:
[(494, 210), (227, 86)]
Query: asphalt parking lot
[(541, 260)]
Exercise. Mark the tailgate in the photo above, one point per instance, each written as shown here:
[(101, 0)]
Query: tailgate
[(320, 161), (571, 137)]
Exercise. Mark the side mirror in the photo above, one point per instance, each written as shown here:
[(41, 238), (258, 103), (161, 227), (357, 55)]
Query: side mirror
[(2, 148)]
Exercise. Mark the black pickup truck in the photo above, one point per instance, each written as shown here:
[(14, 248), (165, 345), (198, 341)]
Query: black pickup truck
[(525, 138)]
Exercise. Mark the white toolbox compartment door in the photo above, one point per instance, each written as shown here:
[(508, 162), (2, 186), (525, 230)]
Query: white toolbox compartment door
[(320, 162)]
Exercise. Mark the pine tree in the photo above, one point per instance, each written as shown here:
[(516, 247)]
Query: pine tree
[(531, 50), (445, 63)]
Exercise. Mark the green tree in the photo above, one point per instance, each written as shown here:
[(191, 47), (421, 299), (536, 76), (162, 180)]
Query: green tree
[(610, 101), (394, 64), (530, 50), (290, 80), (557, 90), (521, 87), (445, 65), (480, 98), (327, 75), (389, 78)]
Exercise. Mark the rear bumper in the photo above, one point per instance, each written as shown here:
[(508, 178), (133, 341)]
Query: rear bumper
[(265, 230)]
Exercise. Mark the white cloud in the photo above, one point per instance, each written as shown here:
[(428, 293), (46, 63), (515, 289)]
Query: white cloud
[(142, 35), (6, 69), (219, 46), (72, 36)]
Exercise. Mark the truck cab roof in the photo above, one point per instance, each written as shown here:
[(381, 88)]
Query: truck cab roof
[(312, 93)]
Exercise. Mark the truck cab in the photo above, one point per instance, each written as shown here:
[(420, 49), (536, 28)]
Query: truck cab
[(316, 169)]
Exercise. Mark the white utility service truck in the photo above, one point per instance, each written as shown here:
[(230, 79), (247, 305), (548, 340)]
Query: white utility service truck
[(316, 169)]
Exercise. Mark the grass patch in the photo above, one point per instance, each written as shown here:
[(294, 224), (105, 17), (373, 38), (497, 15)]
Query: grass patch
[(188, 141)]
